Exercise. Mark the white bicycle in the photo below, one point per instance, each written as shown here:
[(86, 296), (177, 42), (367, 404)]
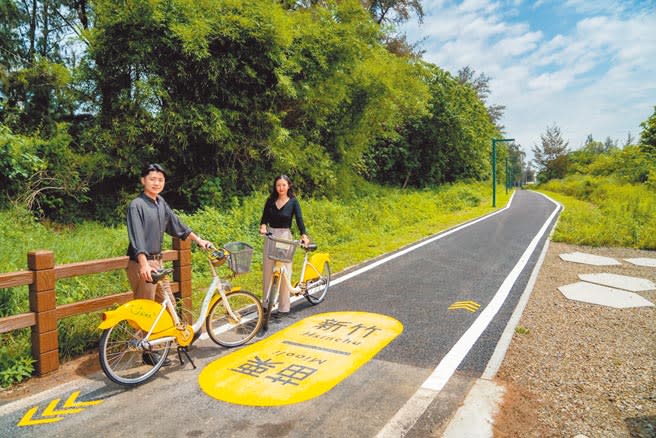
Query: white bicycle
[(314, 279), (138, 335)]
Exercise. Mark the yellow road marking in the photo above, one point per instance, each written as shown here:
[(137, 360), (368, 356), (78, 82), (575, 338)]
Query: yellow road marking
[(70, 407), (300, 362), (28, 421), (51, 411), (471, 306), (70, 402)]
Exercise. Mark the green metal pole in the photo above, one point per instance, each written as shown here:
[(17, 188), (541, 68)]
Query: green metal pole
[(494, 172), (507, 179)]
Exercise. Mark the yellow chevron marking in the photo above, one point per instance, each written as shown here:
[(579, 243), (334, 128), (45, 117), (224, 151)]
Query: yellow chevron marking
[(70, 406), (28, 421), (471, 306), (71, 403), (50, 411)]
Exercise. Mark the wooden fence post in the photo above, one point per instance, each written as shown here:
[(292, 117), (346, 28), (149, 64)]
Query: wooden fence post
[(182, 270), (43, 302)]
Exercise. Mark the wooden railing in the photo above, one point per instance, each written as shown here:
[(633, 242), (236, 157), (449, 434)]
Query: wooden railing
[(42, 276)]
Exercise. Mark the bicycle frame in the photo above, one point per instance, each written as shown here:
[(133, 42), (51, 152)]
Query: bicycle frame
[(162, 326), (309, 272)]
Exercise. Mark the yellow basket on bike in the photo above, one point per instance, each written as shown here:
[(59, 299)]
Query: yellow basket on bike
[(280, 249), (240, 256)]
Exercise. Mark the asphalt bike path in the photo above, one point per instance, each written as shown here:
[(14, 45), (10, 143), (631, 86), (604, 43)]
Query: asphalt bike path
[(410, 388)]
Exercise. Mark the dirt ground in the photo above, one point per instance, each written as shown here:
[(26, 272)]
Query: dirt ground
[(575, 369)]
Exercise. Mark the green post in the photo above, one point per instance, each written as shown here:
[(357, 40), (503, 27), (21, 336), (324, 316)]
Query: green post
[(507, 179), (494, 172), (494, 168)]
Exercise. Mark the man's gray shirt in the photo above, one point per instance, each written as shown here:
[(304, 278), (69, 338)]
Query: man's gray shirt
[(147, 222)]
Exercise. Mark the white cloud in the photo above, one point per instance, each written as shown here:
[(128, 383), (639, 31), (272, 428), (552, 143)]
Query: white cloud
[(595, 78), (518, 45)]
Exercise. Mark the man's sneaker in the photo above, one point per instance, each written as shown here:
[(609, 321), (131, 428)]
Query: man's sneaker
[(151, 358)]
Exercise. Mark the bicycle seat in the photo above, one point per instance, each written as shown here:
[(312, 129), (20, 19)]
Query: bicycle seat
[(311, 247), (159, 274)]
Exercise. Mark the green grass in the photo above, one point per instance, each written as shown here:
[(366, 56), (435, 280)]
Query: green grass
[(600, 212), (352, 231)]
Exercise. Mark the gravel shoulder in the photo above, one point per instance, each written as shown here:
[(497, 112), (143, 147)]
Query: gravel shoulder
[(574, 368)]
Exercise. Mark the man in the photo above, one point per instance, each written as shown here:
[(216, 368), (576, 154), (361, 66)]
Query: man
[(148, 218)]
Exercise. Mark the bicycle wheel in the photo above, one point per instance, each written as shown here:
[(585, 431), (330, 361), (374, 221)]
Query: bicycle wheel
[(122, 360), (318, 289), (228, 331)]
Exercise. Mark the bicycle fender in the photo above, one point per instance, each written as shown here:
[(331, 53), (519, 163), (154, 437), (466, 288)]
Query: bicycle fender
[(216, 297), (141, 312), (318, 260)]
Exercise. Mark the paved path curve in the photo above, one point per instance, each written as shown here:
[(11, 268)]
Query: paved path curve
[(410, 388)]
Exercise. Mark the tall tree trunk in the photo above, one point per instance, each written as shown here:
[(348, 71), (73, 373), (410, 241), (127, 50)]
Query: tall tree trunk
[(32, 32), (45, 24)]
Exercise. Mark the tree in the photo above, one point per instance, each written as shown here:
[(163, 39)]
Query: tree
[(449, 143), (648, 134), (481, 84), (393, 11), (551, 155), (517, 165), (38, 53)]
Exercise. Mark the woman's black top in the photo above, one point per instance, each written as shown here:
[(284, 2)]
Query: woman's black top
[(282, 218)]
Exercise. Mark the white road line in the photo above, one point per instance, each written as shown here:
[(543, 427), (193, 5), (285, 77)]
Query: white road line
[(410, 412), (418, 245), (504, 342)]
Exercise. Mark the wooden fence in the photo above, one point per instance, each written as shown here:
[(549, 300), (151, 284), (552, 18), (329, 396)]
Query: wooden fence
[(42, 276)]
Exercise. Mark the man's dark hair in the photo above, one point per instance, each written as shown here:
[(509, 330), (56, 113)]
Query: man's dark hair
[(153, 167)]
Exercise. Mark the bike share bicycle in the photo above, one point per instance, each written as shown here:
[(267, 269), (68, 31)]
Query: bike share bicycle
[(232, 317), (314, 279)]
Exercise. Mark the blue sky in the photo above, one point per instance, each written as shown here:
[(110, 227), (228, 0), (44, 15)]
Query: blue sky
[(588, 66)]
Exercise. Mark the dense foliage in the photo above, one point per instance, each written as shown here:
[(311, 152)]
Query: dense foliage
[(224, 94)]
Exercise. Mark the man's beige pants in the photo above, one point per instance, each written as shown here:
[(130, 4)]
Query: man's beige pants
[(145, 290)]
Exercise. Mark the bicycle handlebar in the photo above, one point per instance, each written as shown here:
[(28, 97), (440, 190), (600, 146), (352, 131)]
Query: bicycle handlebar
[(308, 247), (270, 235)]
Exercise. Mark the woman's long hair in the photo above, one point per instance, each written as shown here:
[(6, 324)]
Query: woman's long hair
[(273, 197)]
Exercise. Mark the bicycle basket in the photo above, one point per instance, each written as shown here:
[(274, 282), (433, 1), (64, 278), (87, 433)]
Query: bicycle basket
[(240, 256), (280, 251)]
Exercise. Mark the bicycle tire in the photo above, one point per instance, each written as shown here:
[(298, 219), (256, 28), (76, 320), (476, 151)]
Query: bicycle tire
[(120, 358), (318, 289), (225, 330)]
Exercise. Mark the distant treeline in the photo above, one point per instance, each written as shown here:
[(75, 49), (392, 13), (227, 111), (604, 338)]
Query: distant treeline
[(224, 94)]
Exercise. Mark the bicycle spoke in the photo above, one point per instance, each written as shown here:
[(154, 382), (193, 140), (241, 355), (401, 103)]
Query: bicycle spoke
[(239, 327)]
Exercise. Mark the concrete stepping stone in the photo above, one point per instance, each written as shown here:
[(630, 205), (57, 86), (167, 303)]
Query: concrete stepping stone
[(602, 295), (633, 284), (643, 261), (589, 259)]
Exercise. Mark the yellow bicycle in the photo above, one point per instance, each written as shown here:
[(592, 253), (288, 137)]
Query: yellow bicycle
[(314, 279), (138, 335)]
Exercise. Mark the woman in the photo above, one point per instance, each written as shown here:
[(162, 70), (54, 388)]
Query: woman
[(279, 209)]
